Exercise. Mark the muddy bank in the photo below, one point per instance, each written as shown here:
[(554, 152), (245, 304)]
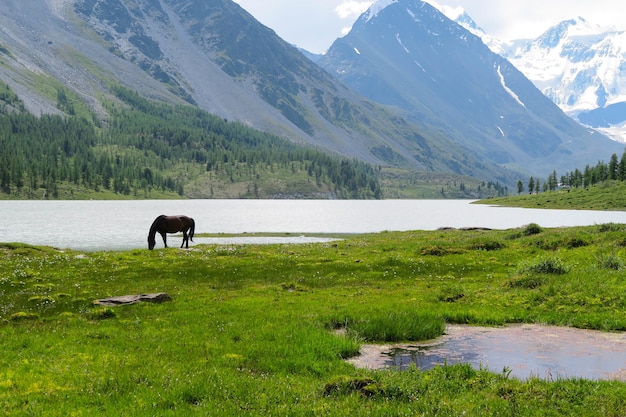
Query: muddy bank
[(526, 350)]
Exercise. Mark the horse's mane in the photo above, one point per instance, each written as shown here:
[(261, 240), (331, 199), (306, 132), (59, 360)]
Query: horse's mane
[(155, 223)]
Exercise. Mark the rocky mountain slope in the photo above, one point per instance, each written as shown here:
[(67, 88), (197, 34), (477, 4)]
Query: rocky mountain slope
[(407, 54), (448, 104), (212, 54)]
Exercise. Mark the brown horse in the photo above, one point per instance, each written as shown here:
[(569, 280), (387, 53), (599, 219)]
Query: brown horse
[(171, 224)]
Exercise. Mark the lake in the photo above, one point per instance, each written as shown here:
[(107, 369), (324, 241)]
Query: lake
[(122, 225)]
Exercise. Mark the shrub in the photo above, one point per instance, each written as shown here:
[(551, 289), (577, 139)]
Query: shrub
[(345, 385), (440, 250), (433, 251), (450, 294), (532, 229), (576, 242), (547, 266), (43, 299), (21, 315), (610, 227), (486, 244), (556, 242), (610, 261), (102, 313), (525, 282)]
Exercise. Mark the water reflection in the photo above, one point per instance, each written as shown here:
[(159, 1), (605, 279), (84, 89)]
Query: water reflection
[(525, 350)]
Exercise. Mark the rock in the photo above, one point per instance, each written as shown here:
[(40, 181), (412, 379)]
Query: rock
[(159, 297)]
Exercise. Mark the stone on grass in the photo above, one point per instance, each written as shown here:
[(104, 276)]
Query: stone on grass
[(159, 297)]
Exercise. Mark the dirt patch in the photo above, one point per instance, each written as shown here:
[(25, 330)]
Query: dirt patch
[(526, 350)]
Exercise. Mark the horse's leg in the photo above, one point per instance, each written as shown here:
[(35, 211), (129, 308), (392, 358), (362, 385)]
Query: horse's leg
[(185, 239), (164, 236)]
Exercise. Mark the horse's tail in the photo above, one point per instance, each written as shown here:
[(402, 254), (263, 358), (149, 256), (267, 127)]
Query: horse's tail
[(192, 229)]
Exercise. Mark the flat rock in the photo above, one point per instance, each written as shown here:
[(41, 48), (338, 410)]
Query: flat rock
[(159, 297)]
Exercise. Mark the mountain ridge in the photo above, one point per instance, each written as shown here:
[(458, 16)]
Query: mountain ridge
[(578, 65), (214, 55), (407, 54)]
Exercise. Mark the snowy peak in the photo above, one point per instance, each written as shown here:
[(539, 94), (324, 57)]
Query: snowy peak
[(567, 30), (409, 55), (376, 8), (467, 22), (460, 17), (579, 65), (407, 16), (413, 8), (582, 68)]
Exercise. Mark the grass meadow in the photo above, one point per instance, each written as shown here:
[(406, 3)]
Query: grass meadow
[(252, 330)]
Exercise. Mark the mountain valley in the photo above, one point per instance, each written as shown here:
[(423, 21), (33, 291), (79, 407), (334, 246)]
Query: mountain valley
[(437, 101)]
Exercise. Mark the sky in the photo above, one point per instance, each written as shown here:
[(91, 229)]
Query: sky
[(315, 24)]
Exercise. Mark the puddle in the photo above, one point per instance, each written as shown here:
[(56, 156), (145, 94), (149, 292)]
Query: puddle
[(525, 350)]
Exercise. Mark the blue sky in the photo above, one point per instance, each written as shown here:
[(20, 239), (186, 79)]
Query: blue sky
[(315, 24)]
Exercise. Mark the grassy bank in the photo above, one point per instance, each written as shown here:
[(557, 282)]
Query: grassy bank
[(251, 330), (610, 195)]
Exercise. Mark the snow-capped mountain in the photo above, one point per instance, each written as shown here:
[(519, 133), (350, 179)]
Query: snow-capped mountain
[(407, 54), (578, 65), (581, 67)]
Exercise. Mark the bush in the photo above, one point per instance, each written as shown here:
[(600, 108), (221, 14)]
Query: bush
[(345, 385), (525, 282), (21, 315), (532, 229), (486, 244), (611, 227), (610, 261), (450, 294), (547, 266), (102, 313), (433, 251), (576, 242)]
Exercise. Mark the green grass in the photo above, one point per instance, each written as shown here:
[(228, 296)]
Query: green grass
[(399, 183), (252, 330), (610, 195)]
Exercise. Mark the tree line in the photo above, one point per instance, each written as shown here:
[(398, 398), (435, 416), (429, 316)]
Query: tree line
[(146, 145), (615, 169)]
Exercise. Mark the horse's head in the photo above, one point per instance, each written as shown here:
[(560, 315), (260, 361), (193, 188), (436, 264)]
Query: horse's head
[(151, 242)]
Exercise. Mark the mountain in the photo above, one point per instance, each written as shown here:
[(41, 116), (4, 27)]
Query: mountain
[(582, 68), (578, 65), (407, 54), (214, 55)]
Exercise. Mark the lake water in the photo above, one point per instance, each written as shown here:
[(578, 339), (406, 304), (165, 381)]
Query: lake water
[(121, 225)]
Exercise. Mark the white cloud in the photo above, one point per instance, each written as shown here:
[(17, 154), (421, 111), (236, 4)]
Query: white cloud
[(352, 9)]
